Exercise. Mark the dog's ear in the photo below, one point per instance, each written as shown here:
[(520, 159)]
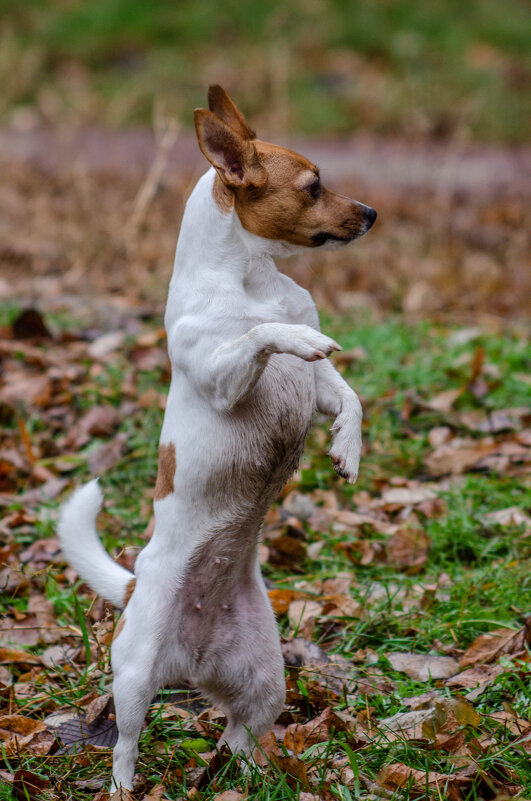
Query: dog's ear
[(234, 157), (226, 109)]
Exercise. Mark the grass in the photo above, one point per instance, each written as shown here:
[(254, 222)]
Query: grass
[(394, 66), (487, 568)]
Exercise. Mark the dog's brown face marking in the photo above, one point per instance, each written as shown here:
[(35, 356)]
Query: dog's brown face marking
[(294, 207), (166, 471), (277, 193)]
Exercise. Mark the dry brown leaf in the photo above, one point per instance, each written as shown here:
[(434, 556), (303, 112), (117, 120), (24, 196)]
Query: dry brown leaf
[(476, 679), (155, 794), (458, 456), (397, 775), (282, 598), (517, 726), (286, 551), (300, 736), (443, 401), (416, 725), (488, 647), (230, 795), (96, 708), (407, 496), (18, 724), (422, 667), (29, 786), (512, 516), (302, 611), (10, 656), (98, 421), (108, 455), (408, 549), (27, 389), (339, 605), (18, 732), (294, 770)]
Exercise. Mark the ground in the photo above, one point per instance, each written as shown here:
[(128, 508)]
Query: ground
[(403, 601)]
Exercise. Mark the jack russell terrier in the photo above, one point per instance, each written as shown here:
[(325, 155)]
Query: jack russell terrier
[(249, 369)]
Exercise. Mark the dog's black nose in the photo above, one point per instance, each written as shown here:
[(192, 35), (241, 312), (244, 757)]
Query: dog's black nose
[(371, 215)]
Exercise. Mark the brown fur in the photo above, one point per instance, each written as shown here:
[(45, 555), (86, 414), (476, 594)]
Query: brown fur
[(222, 195), (129, 590), (276, 211), (276, 193), (166, 473), (226, 109), (119, 628)]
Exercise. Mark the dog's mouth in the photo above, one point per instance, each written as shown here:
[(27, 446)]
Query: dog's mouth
[(324, 236), (327, 237)]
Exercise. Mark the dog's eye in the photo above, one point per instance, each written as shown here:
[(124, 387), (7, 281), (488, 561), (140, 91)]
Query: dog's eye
[(315, 188)]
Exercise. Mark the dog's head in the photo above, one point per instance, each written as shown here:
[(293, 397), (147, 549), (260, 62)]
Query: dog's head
[(276, 193)]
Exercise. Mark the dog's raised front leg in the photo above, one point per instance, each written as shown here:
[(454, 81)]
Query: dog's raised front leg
[(227, 373), (336, 399)]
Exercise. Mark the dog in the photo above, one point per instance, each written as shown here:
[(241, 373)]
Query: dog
[(249, 370)]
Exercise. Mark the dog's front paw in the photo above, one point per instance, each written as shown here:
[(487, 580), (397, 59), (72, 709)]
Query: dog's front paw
[(345, 452), (309, 344), (346, 467)]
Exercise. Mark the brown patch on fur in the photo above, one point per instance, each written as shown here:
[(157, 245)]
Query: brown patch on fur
[(276, 193), (226, 109), (166, 473), (286, 210), (129, 590), (119, 628), (223, 196)]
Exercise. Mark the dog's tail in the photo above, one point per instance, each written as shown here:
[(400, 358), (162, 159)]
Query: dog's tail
[(83, 549)]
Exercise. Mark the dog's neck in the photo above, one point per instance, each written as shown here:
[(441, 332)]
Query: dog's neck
[(214, 246)]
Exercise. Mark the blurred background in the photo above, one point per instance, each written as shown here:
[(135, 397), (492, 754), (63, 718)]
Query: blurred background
[(420, 109)]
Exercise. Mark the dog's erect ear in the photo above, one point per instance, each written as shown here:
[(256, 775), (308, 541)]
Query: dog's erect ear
[(234, 157), (226, 109)]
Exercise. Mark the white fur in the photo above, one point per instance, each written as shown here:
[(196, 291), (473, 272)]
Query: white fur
[(83, 549), (248, 371)]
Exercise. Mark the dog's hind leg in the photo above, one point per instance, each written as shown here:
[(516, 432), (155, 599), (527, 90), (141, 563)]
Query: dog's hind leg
[(257, 703), (134, 686), (247, 677)]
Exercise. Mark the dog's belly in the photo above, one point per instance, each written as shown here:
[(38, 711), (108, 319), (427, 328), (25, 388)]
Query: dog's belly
[(233, 464), (229, 469)]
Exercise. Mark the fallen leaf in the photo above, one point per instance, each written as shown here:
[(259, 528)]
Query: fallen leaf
[(476, 679), (443, 401), (282, 598), (156, 793), (107, 455), (408, 549), (422, 667), (105, 344), (302, 611), (28, 786), (96, 708), (408, 725), (488, 647), (230, 795), (447, 786), (294, 770), (13, 656), (458, 456), (300, 736), (407, 496), (512, 516)]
